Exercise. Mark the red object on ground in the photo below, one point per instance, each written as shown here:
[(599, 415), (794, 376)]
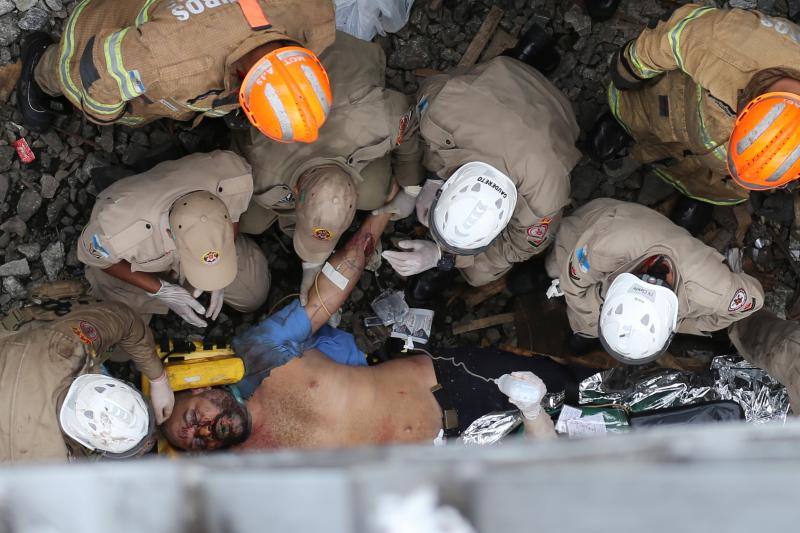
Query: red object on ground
[(24, 151)]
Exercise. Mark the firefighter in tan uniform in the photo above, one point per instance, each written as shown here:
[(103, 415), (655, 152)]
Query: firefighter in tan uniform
[(366, 147), (773, 344), (509, 118), (178, 221), (135, 61), (711, 98), (626, 270), (53, 399)]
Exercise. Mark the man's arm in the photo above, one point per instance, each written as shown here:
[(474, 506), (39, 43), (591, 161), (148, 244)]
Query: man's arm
[(742, 295), (343, 270)]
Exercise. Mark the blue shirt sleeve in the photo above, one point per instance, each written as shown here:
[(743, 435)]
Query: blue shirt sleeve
[(286, 335)]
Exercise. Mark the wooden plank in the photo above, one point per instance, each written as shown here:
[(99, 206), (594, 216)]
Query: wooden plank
[(9, 74), (481, 38), (426, 72), (483, 323), (501, 42), (474, 296)]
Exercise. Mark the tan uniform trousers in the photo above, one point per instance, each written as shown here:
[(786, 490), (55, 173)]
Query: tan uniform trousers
[(247, 293), (774, 345)]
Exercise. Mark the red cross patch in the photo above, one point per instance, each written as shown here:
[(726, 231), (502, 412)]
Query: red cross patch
[(537, 234), (738, 300)]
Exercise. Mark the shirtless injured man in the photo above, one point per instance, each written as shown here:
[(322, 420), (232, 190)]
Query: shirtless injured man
[(308, 386)]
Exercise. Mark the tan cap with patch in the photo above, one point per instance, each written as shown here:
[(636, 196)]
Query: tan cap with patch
[(203, 233), (325, 207)]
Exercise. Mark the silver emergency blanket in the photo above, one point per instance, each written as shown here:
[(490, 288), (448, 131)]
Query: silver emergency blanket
[(492, 428), (762, 398), (729, 378), (644, 388)]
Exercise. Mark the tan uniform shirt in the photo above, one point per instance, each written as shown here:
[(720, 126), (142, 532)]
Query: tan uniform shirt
[(713, 62), (38, 366), (607, 237), (130, 218), (135, 61), (507, 114), (367, 134)]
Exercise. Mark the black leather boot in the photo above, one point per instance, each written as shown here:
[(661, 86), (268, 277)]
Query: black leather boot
[(607, 138), (38, 108), (601, 10), (692, 215), (537, 48)]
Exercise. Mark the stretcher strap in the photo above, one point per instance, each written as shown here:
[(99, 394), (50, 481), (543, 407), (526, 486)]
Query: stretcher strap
[(254, 14)]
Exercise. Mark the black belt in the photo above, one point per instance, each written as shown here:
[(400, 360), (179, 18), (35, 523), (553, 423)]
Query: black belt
[(449, 414)]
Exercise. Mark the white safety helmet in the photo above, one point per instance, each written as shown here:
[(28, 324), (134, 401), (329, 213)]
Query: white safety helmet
[(106, 415), (637, 320), (472, 208)]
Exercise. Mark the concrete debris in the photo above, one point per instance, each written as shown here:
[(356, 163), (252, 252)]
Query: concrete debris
[(29, 203), (13, 287), (53, 260), (31, 251), (19, 267), (9, 31), (6, 6), (24, 5), (34, 19), (579, 20)]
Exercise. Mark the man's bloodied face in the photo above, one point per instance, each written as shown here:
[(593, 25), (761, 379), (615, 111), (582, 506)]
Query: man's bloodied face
[(210, 419)]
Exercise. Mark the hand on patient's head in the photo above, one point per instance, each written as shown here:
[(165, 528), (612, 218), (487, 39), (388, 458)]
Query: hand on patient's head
[(205, 420)]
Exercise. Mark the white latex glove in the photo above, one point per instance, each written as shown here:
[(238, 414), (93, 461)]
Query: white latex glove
[(525, 390), (215, 305), (310, 271), (162, 397), (423, 255), (181, 302), (401, 206), (426, 198)]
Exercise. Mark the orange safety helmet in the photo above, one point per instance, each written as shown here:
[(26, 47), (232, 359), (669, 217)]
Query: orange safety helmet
[(287, 95), (764, 150)]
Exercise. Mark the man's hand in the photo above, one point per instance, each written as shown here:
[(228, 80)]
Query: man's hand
[(400, 207), (423, 255), (162, 397), (181, 302), (425, 199), (215, 305), (310, 271), (525, 390)]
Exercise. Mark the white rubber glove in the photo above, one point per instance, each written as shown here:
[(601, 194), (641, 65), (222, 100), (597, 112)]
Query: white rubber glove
[(162, 397), (426, 198), (424, 255), (525, 390), (215, 304), (401, 206), (181, 302), (310, 271)]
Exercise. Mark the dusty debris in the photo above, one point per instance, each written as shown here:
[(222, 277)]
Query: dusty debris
[(483, 323), (9, 74), (482, 38)]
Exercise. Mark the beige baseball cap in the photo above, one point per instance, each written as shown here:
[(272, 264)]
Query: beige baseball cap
[(203, 233), (325, 207)]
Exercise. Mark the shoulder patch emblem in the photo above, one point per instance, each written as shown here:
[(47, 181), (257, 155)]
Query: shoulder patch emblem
[(738, 301), (538, 233), (96, 249), (86, 332), (405, 120), (583, 259), (573, 274)]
